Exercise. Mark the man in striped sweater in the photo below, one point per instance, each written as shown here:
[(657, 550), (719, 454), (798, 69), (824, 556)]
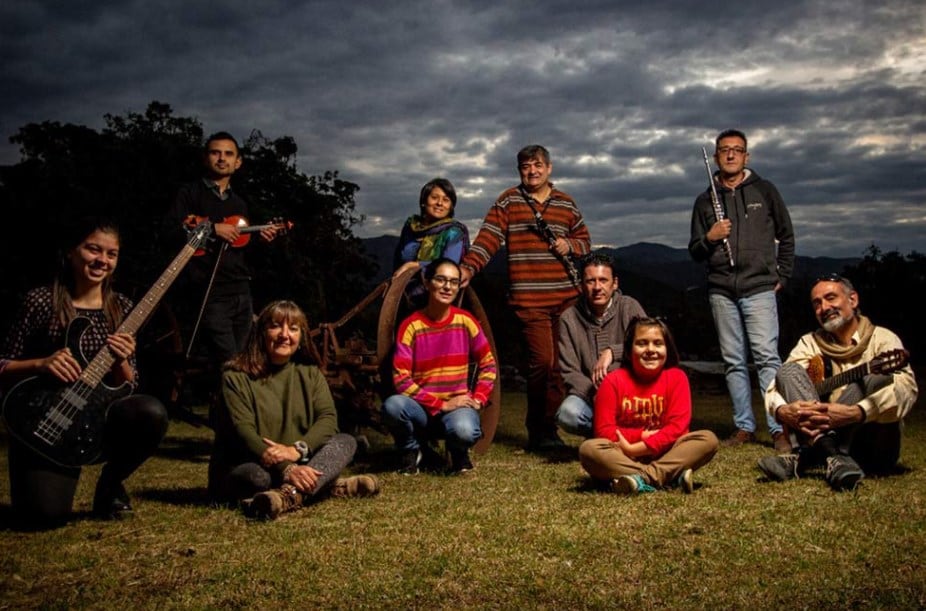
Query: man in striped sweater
[(542, 228), (430, 370)]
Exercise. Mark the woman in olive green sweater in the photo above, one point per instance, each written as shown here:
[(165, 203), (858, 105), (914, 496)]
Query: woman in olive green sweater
[(277, 434)]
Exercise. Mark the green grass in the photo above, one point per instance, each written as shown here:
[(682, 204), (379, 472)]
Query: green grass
[(522, 531)]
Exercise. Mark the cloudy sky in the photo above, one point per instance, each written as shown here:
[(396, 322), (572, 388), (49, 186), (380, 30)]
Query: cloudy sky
[(624, 94)]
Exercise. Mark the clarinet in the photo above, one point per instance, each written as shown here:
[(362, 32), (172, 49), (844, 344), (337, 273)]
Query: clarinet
[(546, 233), (718, 209)]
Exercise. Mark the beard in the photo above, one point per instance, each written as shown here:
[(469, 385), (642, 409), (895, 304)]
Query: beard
[(831, 325)]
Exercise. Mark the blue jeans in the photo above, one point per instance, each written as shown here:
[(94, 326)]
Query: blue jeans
[(575, 416), (410, 424), (754, 320)]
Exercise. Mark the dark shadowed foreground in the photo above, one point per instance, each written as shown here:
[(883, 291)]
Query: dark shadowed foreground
[(520, 532)]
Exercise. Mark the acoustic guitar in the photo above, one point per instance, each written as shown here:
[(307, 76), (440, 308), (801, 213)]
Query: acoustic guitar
[(64, 422), (884, 363)]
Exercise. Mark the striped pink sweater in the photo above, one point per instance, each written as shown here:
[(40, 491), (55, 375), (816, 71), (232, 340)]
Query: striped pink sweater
[(431, 362)]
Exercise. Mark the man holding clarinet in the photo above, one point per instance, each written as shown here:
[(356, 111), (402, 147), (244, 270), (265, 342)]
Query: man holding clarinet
[(735, 225)]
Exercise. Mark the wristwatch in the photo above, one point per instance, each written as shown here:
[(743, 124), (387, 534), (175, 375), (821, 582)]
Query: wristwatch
[(303, 448)]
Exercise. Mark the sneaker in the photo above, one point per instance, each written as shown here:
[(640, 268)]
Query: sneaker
[(843, 473), (460, 462), (410, 461), (684, 481), (780, 467), (270, 504), (739, 437), (781, 442), (111, 502), (630, 484), (355, 486)]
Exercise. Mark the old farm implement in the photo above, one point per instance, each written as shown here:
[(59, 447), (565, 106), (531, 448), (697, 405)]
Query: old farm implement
[(359, 376)]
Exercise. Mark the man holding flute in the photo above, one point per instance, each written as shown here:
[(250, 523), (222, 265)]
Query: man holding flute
[(737, 238)]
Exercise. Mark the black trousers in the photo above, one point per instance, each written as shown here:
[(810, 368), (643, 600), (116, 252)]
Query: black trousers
[(42, 492)]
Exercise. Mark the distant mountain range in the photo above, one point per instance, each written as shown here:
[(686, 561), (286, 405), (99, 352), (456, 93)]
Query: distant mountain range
[(663, 279), (639, 264)]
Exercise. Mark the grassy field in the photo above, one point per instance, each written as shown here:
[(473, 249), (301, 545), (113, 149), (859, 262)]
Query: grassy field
[(522, 531)]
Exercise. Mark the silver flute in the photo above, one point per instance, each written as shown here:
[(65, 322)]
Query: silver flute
[(718, 209)]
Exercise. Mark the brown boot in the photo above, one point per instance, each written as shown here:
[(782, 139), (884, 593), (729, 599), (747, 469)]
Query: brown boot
[(739, 437), (270, 504), (781, 442), (356, 485)]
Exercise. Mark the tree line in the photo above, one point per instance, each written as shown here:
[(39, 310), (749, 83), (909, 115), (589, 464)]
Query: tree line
[(130, 169)]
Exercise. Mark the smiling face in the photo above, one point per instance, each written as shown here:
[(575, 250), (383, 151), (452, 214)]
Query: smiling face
[(94, 259), (281, 340), (535, 173), (438, 206), (444, 285), (222, 158), (649, 351), (834, 306)]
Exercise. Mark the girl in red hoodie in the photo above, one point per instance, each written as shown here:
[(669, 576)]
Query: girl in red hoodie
[(642, 414)]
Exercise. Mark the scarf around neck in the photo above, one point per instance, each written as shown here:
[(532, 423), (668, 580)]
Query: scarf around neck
[(433, 237), (836, 351)]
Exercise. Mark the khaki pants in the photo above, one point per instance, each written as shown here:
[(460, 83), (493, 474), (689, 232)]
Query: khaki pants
[(604, 460)]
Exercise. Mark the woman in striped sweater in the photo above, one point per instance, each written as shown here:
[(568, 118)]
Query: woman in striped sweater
[(434, 347)]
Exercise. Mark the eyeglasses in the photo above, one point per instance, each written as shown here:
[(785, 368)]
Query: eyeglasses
[(736, 150), (445, 281)]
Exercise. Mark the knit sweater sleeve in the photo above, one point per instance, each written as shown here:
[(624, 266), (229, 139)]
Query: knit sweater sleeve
[(403, 363), (240, 402), (486, 371), (491, 236), (571, 336)]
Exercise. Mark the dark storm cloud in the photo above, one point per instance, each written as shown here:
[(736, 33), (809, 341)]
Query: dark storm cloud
[(391, 94)]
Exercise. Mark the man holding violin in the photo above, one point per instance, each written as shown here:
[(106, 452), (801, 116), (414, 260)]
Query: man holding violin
[(220, 277)]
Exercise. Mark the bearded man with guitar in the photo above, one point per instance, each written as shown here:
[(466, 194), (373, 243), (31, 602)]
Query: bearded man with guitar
[(220, 277), (854, 423)]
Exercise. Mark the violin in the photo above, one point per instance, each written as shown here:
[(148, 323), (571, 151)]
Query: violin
[(244, 229)]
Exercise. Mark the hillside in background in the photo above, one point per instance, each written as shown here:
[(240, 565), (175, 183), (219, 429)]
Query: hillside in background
[(663, 279)]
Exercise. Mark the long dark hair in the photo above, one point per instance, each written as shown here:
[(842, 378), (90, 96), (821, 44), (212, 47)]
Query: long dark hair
[(63, 286), (672, 359), (253, 360)]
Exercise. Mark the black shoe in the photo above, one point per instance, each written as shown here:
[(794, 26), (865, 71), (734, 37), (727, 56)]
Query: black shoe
[(409, 462), (843, 473), (431, 460), (780, 467), (459, 461), (546, 443), (111, 502)]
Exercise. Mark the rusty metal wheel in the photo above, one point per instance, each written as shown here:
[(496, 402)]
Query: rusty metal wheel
[(393, 303)]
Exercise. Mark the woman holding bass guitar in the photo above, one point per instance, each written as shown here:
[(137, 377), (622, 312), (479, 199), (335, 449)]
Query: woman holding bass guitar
[(45, 340)]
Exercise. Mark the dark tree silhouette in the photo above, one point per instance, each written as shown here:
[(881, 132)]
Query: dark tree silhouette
[(130, 171)]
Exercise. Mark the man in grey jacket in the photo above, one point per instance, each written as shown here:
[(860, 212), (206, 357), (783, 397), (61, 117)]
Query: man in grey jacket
[(591, 339), (743, 294)]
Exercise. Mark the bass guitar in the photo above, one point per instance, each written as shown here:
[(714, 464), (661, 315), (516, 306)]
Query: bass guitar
[(884, 363), (244, 229), (64, 423)]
